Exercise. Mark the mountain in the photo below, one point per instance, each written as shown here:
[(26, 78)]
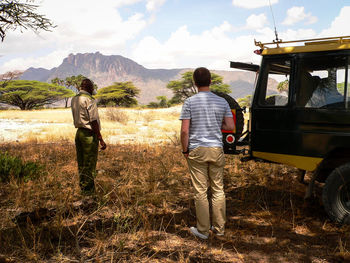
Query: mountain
[(39, 74), (104, 70)]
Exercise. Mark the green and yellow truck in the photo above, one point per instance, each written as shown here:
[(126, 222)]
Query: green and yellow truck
[(300, 114)]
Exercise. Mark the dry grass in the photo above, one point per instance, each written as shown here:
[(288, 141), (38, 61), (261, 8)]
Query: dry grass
[(144, 206), (46, 115), (144, 203), (118, 125)]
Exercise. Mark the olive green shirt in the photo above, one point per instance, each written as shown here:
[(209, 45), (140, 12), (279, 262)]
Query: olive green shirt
[(84, 110)]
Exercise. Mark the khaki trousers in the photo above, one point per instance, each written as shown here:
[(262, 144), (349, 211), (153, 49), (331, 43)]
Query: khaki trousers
[(206, 165)]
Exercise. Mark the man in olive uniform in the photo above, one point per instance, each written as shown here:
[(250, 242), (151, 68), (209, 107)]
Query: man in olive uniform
[(86, 119)]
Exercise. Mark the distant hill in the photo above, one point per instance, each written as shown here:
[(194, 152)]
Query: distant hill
[(104, 70)]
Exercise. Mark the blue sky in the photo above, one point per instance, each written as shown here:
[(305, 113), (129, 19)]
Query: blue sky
[(170, 33)]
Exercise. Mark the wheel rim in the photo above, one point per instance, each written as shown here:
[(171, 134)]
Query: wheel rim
[(344, 196)]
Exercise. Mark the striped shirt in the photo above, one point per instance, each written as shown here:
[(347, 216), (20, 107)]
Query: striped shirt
[(206, 112)]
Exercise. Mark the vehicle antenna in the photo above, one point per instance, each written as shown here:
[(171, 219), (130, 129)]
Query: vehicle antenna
[(274, 23)]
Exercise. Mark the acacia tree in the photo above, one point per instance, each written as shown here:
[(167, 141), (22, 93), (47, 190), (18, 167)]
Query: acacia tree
[(72, 83), (283, 86), (16, 14), (8, 76), (185, 88), (245, 102), (29, 94), (162, 103), (119, 94)]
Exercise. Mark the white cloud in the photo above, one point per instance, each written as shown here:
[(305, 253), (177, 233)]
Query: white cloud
[(298, 34), (47, 61), (212, 48), (82, 26), (256, 21), (340, 25), (297, 14), (153, 5), (89, 24), (120, 3), (101, 28), (250, 4)]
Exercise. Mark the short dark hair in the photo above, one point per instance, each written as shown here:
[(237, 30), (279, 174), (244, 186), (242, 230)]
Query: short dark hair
[(201, 77), (86, 84)]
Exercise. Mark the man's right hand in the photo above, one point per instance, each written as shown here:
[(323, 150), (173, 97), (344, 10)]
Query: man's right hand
[(103, 144)]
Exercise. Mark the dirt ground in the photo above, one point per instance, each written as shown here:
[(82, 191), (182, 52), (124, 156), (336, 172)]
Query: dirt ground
[(144, 207)]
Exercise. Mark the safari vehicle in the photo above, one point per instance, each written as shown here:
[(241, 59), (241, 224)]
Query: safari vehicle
[(300, 114)]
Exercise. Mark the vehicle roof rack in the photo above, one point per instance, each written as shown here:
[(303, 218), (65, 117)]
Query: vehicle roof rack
[(303, 46), (314, 41)]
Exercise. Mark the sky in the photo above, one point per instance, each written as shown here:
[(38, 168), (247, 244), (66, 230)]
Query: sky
[(170, 33)]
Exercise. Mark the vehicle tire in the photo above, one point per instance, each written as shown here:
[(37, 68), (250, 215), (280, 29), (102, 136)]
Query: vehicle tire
[(239, 113), (336, 194)]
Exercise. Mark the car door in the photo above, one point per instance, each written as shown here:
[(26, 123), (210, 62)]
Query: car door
[(273, 130)]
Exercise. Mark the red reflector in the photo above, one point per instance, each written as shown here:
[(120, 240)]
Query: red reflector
[(258, 51), (230, 138)]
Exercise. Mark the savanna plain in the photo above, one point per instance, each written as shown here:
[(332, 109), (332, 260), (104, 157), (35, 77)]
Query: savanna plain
[(144, 204)]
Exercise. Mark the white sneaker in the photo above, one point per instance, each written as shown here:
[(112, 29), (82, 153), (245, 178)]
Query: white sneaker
[(216, 232), (195, 232)]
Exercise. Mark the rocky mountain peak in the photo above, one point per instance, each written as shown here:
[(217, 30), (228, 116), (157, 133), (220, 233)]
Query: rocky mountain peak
[(105, 70), (97, 62)]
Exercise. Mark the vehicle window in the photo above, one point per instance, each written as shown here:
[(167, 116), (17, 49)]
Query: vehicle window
[(322, 82), (276, 81)]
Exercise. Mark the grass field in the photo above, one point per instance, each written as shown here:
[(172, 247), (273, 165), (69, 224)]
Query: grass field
[(118, 125), (144, 204)]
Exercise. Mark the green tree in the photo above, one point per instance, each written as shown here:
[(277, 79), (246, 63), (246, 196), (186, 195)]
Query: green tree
[(341, 87), (283, 86), (120, 94), (58, 81), (162, 103), (245, 102), (72, 83), (218, 85), (21, 14), (185, 88), (29, 94)]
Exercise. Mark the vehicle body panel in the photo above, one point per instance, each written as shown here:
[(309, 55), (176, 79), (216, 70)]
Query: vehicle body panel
[(294, 135)]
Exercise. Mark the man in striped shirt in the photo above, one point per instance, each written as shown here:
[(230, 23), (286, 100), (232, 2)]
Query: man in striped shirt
[(203, 116)]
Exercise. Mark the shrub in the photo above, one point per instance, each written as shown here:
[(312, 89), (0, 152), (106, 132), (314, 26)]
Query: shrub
[(11, 166), (116, 115), (163, 102)]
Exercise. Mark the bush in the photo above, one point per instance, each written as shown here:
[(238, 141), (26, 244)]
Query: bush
[(11, 166), (163, 102), (117, 115), (153, 105)]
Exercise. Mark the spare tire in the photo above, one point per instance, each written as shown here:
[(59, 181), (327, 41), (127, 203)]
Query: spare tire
[(230, 138)]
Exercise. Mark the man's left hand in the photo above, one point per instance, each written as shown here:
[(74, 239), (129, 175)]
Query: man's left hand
[(103, 144)]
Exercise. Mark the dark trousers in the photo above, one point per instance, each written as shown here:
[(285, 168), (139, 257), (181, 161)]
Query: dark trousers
[(86, 144)]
